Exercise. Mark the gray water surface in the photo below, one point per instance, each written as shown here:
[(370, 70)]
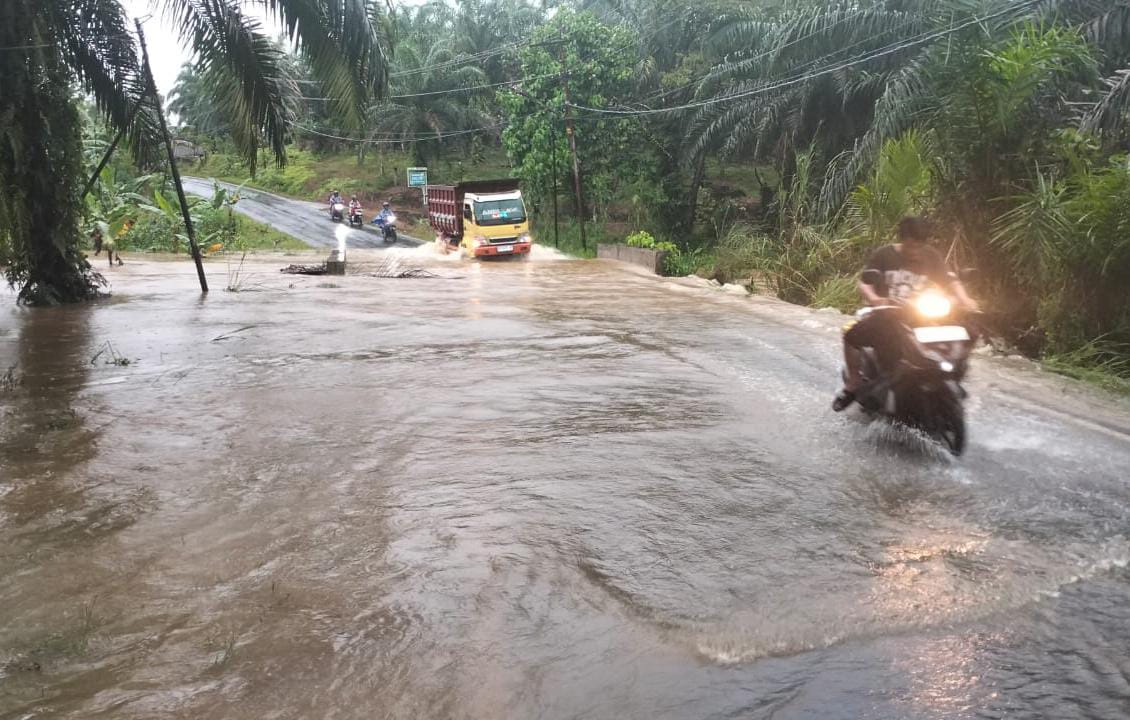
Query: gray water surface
[(547, 489)]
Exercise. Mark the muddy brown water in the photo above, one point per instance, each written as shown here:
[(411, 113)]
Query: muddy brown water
[(550, 489)]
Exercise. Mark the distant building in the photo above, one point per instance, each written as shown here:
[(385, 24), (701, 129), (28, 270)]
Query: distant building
[(185, 150)]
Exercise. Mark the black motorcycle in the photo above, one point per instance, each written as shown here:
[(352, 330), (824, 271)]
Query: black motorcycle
[(919, 384)]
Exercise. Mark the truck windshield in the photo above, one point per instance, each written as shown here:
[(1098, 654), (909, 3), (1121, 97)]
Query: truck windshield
[(500, 212)]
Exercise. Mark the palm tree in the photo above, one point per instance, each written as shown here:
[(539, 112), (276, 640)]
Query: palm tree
[(427, 101), (840, 78), (193, 101), (482, 28), (51, 48)]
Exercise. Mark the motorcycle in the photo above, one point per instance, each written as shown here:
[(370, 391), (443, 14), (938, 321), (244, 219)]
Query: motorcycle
[(387, 225), (920, 384), (337, 211), (355, 218)]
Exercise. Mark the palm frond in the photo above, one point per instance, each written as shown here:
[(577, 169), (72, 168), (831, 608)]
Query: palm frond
[(894, 109), (348, 49), (96, 43), (245, 69), (1108, 116), (1111, 31)]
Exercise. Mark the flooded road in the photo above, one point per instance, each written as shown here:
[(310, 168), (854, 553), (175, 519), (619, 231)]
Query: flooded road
[(307, 221), (551, 489)]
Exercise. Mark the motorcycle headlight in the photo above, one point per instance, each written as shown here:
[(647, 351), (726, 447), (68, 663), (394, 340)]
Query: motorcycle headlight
[(391, 218), (933, 305), (339, 207)]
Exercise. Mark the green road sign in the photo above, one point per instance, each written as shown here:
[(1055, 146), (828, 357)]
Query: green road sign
[(417, 177)]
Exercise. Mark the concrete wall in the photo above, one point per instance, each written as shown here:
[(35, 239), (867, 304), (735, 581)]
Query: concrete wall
[(650, 259)]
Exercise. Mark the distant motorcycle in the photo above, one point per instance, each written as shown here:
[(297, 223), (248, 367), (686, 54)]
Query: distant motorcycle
[(919, 385), (337, 211), (387, 224), (355, 217)]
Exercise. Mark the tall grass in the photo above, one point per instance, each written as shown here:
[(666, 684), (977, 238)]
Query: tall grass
[(1100, 362)]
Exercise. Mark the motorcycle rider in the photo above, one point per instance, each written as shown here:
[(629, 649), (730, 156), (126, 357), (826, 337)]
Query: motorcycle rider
[(354, 206), (386, 210), (903, 269), (335, 198)]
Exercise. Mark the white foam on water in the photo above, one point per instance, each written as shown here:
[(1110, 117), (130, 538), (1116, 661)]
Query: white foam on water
[(425, 251), (544, 253), (432, 251)]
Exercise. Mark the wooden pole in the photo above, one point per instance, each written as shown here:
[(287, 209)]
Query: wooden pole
[(576, 163), (553, 152), (172, 162)]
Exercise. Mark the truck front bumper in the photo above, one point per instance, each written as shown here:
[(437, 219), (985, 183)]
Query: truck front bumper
[(502, 250)]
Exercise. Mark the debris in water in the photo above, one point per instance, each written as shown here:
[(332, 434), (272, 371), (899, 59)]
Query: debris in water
[(392, 267), (304, 269), (225, 336), (114, 359)]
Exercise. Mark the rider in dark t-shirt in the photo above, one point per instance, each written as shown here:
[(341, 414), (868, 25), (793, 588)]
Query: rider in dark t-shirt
[(902, 270)]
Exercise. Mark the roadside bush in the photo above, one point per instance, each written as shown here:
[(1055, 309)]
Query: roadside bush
[(794, 267), (1068, 243), (838, 292), (644, 239), (640, 239), (153, 233), (290, 180), (738, 258), (680, 263), (677, 262)]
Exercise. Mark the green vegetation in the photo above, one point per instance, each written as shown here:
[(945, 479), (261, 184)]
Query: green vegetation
[(140, 213), (52, 50), (1097, 362)]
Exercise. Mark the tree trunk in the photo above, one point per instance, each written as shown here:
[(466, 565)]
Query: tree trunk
[(696, 183), (42, 171)]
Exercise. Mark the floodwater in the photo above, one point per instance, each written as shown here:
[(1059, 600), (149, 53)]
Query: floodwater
[(551, 489)]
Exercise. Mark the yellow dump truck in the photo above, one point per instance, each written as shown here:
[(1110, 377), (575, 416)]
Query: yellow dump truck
[(482, 218)]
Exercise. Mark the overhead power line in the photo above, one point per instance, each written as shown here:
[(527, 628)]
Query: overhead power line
[(27, 47), (397, 141), (767, 53), (452, 91), (771, 86)]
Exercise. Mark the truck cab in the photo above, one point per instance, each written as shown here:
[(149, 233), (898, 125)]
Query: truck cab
[(482, 218)]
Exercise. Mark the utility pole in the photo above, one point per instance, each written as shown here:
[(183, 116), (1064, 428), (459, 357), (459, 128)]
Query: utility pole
[(573, 148), (152, 88), (553, 154)]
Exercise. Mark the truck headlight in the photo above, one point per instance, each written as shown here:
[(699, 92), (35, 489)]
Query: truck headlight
[(525, 238), (479, 241)]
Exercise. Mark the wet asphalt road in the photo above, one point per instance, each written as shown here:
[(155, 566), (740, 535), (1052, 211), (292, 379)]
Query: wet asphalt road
[(307, 221), (542, 489)]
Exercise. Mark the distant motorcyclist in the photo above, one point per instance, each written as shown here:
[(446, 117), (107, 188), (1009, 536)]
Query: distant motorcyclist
[(903, 269), (335, 198), (386, 211), (354, 206)]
